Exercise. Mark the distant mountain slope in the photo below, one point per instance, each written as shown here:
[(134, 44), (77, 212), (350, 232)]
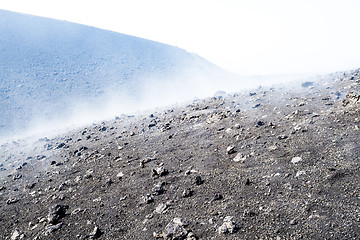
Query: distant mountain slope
[(49, 66)]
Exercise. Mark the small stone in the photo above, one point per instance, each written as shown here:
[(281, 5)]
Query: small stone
[(152, 125), (61, 145), (198, 180), (146, 160), (228, 226), (40, 157), (158, 188), (187, 193), (96, 233), (16, 235), (293, 222), (160, 171), (299, 173), (190, 171), (52, 228), (77, 179), (12, 200), (30, 186), (229, 131), (109, 181), (161, 208), (240, 157), (56, 212), (148, 199), (297, 128), (191, 236), (217, 196), (17, 176), (175, 230), (76, 211), (282, 137), (260, 123), (230, 149), (296, 160), (272, 148), (88, 173)]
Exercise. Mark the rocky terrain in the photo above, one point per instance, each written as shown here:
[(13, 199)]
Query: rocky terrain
[(270, 163)]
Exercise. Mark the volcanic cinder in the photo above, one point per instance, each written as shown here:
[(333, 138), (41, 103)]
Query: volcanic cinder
[(271, 163)]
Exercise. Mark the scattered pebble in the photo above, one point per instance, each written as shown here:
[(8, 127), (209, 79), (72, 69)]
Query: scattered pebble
[(148, 198), (240, 157), (96, 233), (175, 230), (230, 149), (293, 222), (120, 175), (161, 208), (299, 173), (198, 180), (187, 193), (159, 171), (158, 188), (17, 235), (295, 160), (56, 212), (228, 226)]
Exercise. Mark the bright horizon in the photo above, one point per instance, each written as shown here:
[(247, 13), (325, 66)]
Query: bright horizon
[(245, 36)]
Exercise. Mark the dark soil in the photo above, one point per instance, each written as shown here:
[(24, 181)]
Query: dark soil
[(272, 163)]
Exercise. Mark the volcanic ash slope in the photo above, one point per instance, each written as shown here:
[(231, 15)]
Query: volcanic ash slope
[(273, 163)]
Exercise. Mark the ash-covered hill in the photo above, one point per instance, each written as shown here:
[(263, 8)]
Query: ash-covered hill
[(279, 162), (55, 70)]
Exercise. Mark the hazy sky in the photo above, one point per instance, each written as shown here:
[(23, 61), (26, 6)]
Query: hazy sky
[(244, 36)]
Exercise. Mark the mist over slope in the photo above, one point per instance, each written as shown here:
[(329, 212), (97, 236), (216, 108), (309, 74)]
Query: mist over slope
[(277, 162), (56, 71)]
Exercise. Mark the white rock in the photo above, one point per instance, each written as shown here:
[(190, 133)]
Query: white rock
[(228, 226), (78, 179), (160, 171), (229, 131), (175, 230), (239, 158), (161, 208), (272, 148), (297, 128), (120, 175), (299, 173), (17, 235), (230, 149), (295, 160)]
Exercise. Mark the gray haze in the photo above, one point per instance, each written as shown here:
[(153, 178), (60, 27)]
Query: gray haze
[(56, 74)]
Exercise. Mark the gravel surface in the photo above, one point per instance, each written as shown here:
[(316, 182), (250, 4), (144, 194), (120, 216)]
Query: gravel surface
[(271, 163)]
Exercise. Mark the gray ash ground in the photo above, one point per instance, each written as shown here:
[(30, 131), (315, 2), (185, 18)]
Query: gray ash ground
[(272, 163)]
